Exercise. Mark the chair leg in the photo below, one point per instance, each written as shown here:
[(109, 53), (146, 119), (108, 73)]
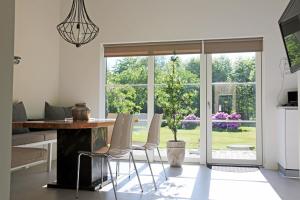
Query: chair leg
[(129, 167), (117, 171), (117, 168), (78, 174), (49, 158), (102, 172), (150, 169), (112, 178), (136, 171), (162, 163)]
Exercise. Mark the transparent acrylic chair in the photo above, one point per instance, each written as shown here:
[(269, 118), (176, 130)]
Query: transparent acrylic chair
[(120, 146), (152, 143), (110, 128)]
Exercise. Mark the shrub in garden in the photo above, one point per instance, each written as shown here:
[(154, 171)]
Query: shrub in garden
[(190, 122), (226, 126)]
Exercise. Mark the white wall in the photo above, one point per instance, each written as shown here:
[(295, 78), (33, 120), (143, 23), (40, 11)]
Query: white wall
[(36, 78), (6, 81), (156, 20)]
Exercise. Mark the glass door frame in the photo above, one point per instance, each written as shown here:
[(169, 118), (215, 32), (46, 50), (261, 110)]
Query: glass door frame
[(205, 112), (259, 154)]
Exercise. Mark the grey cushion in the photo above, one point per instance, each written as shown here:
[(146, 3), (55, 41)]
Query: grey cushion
[(57, 112), (19, 114)]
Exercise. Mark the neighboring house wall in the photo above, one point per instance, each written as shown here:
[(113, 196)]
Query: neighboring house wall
[(36, 78), (156, 20), (6, 81)]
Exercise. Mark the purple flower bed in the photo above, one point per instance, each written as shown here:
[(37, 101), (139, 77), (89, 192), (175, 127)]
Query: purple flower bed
[(190, 122), (224, 126)]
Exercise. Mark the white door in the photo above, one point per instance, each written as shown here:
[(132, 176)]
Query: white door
[(234, 109)]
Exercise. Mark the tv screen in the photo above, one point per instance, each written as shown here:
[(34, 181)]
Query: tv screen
[(293, 48), (291, 34), (290, 30)]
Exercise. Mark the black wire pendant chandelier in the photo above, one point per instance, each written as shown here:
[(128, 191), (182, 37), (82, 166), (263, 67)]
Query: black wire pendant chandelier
[(78, 28)]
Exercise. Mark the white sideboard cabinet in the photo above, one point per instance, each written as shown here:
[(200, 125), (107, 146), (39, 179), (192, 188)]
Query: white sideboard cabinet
[(289, 142)]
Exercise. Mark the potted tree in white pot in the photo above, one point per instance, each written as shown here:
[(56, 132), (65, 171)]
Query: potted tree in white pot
[(176, 102)]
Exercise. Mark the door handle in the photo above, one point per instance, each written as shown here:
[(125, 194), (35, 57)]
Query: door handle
[(208, 104)]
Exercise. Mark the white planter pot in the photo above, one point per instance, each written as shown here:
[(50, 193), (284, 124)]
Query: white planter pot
[(176, 153)]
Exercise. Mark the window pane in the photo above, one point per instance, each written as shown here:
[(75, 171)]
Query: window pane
[(126, 70), (235, 98), (189, 68), (234, 106), (126, 99), (233, 67), (126, 90), (189, 74)]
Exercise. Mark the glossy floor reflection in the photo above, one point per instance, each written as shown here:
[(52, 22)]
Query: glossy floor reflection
[(190, 182)]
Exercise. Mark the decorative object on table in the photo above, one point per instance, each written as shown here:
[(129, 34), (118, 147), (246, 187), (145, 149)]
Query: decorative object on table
[(81, 112), (176, 103), (78, 28)]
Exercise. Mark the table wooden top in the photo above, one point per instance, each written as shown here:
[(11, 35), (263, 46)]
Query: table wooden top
[(65, 124)]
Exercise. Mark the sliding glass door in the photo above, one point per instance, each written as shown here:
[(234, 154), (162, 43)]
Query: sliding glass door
[(224, 90), (234, 108), (133, 84)]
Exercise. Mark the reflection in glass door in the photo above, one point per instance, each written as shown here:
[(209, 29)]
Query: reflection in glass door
[(234, 109)]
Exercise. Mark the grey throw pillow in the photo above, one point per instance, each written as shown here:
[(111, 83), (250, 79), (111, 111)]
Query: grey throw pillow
[(57, 112), (19, 114)]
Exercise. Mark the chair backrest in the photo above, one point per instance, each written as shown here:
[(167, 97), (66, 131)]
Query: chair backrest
[(154, 132), (121, 136), (112, 115), (110, 128)]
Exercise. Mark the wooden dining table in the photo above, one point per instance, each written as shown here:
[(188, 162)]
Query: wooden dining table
[(74, 136)]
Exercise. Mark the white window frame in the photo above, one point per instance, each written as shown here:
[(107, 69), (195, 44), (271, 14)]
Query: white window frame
[(205, 93)]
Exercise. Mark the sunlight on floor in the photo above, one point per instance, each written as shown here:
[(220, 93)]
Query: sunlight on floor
[(234, 183), (225, 183), (190, 182)]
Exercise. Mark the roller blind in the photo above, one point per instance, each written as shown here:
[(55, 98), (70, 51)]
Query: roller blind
[(153, 48), (184, 47), (233, 45)]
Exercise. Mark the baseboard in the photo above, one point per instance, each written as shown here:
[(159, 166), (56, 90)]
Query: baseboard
[(291, 173)]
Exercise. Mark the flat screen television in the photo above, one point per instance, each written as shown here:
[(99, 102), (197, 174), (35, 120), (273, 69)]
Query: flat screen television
[(290, 29)]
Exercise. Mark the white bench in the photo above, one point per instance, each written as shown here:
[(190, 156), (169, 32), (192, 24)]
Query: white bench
[(34, 141)]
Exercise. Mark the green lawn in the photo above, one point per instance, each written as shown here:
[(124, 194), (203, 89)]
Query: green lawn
[(246, 135)]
